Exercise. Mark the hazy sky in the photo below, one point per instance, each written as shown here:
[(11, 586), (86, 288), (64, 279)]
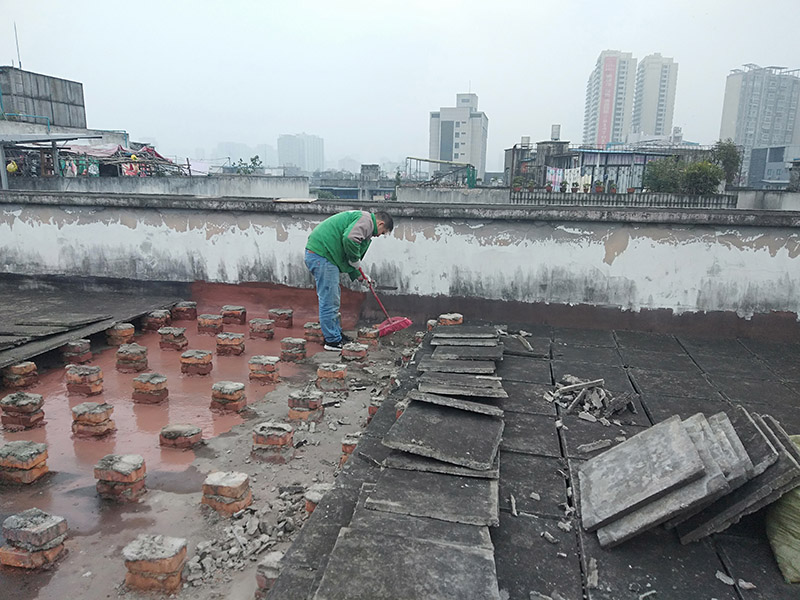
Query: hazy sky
[(365, 75)]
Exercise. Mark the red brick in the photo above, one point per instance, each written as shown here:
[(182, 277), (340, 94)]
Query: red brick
[(268, 434), (283, 317), (173, 344), (331, 371), (196, 357), (84, 374), (228, 406), (93, 429), (92, 412), (123, 492), (183, 442), (310, 400), (85, 389), (20, 421), (149, 382), (23, 475), (236, 315), (197, 369), (125, 366), (303, 414), (79, 359), (288, 356), (119, 468), (265, 378), (209, 324), (153, 397), (450, 319), (158, 566), (23, 368), (156, 320), (230, 350), (12, 461), (430, 324), (225, 506), (19, 382), (25, 559), (230, 485), (168, 582), (184, 311)]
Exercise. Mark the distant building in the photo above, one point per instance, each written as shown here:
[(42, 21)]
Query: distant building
[(609, 99), (761, 109), (306, 152), (770, 168), (654, 95), (41, 99), (459, 133)]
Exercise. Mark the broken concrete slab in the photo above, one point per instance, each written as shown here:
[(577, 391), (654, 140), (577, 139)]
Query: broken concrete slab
[(448, 434), (447, 497), (398, 459), (456, 366), (460, 341), (296, 583), (463, 380), (636, 472), (537, 484), (527, 398), (312, 546), (377, 566), (734, 460), (615, 378), (527, 370), (452, 389), (530, 434), (478, 407), (468, 353)]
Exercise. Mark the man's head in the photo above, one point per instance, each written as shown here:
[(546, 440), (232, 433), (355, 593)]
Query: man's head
[(384, 222)]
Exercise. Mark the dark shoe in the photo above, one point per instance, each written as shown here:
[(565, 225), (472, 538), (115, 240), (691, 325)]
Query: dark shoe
[(346, 338), (335, 346)]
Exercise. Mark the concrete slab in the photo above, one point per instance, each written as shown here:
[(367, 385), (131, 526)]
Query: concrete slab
[(536, 482), (751, 367), (449, 389), (468, 353), (529, 564), (583, 337), (680, 500), (527, 398), (413, 462), (464, 341), (367, 565), (448, 434), (755, 391), (734, 460), (538, 347), (659, 361), (478, 407), (447, 497), (759, 448), (312, 546), (671, 383), (660, 407), (466, 331), (456, 366), (588, 354), (729, 348), (751, 560), (636, 472), (530, 434), (463, 380), (382, 420), (653, 342), (295, 584), (578, 436), (529, 370)]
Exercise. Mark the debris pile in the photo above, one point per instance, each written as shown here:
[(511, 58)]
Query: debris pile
[(588, 398)]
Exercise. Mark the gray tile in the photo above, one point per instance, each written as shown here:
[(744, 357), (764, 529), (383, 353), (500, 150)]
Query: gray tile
[(729, 348), (661, 407), (750, 368), (654, 342), (527, 398), (584, 337), (538, 347), (578, 435), (754, 391), (464, 341), (468, 353), (587, 354), (659, 361), (465, 331), (525, 369), (478, 407), (427, 364), (413, 462), (530, 434), (751, 560), (671, 383), (522, 475)]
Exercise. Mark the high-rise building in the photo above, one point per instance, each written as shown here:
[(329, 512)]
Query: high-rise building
[(609, 98), (761, 109), (654, 96), (459, 133), (306, 152)]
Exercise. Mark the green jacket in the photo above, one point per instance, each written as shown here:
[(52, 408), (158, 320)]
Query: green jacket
[(343, 239)]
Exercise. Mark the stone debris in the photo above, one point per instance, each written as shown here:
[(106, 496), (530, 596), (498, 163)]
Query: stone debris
[(264, 369), (173, 338), (513, 502), (227, 492), (727, 580), (154, 563), (196, 362), (155, 320), (150, 388), (209, 324), (593, 575), (21, 410), (34, 539), (596, 445), (76, 352), (119, 334), (22, 461), (293, 349), (312, 332), (234, 315), (745, 585), (184, 311), (430, 324), (588, 397), (84, 381), (228, 396), (283, 317), (230, 344), (131, 358), (180, 435), (120, 477), (92, 419), (549, 537)]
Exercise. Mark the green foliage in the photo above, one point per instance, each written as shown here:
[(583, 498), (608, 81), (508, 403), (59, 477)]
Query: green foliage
[(243, 168), (726, 154), (669, 176), (701, 178), (325, 195), (663, 175)]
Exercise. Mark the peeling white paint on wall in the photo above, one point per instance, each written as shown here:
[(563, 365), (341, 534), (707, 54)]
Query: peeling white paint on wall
[(683, 268)]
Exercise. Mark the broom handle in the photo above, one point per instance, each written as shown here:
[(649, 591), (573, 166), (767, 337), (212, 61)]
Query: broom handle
[(369, 283)]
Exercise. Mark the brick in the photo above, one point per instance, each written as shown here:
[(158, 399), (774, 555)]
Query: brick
[(25, 559), (119, 334), (20, 421), (353, 351), (230, 350), (349, 442), (419, 337), (228, 405), (173, 338), (22, 454), (80, 374), (23, 368), (374, 405), (155, 320), (169, 582), (151, 554), (314, 495), (233, 314), (293, 356), (305, 414), (131, 358), (93, 429), (150, 382), (125, 468), (19, 382), (430, 324), (263, 364), (209, 324), (450, 319), (34, 529), (310, 399), (121, 491), (332, 385), (332, 371), (21, 402), (85, 389), (271, 433), (262, 328), (180, 436), (184, 311), (228, 506), (265, 378), (268, 570), (196, 362), (76, 347), (312, 332), (25, 476), (230, 484), (197, 369), (81, 358), (228, 390), (92, 412), (283, 317)]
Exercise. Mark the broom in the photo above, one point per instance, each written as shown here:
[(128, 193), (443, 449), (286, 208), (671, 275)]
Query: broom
[(391, 324)]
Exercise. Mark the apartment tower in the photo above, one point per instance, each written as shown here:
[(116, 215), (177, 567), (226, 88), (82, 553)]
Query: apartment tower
[(654, 97), (459, 133), (609, 98)]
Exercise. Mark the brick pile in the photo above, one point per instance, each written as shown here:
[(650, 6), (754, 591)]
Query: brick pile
[(430, 324), (154, 563), (150, 388), (209, 324), (451, 319), (120, 477), (293, 349), (21, 410), (353, 351), (121, 333), (92, 419), (131, 358), (267, 572), (369, 336), (283, 317), (230, 344), (20, 375), (331, 377), (184, 311), (236, 315), (349, 443), (312, 332), (84, 381), (23, 461), (306, 405), (262, 328), (264, 369), (228, 395), (76, 352), (34, 540), (227, 492), (173, 338), (181, 436), (314, 494), (273, 442), (155, 320), (196, 362)]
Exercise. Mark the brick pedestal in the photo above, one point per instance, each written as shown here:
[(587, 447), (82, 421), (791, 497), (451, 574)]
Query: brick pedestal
[(262, 328), (306, 406), (293, 349), (154, 563), (22, 461), (400, 407), (131, 358), (150, 388), (173, 338), (314, 494), (419, 337), (267, 572), (233, 314), (228, 395), (196, 362), (121, 333), (353, 351), (331, 377), (84, 381), (34, 540), (209, 324), (155, 320), (349, 443), (368, 336), (92, 419), (230, 344), (374, 405), (406, 354), (283, 317), (312, 332), (430, 324), (181, 436), (120, 477), (20, 375), (77, 352), (273, 442), (227, 492), (21, 410), (451, 319), (264, 369), (184, 311)]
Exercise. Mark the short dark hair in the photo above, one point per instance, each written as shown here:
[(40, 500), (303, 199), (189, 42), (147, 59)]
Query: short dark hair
[(386, 218)]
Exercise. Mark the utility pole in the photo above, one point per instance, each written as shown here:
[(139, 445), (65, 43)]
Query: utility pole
[(19, 60)]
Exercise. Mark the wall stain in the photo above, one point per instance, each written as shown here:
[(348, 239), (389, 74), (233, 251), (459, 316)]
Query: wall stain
[(616, 244)]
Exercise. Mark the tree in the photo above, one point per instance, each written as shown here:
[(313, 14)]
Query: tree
[(243, 168), (396, 185), (701, 178), (663, 175), (726, 154)]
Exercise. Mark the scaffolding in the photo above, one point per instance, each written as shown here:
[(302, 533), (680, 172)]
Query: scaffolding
[(450, 174)]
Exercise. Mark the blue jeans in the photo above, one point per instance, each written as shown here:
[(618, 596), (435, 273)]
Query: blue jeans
[(326, 277)]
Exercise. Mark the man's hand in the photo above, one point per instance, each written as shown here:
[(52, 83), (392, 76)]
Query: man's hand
[(365, 278)]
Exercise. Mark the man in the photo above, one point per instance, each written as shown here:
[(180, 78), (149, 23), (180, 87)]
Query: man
[(337, 245)]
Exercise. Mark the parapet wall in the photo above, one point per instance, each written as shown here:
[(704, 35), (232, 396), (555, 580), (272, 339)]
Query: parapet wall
[(684, 261)]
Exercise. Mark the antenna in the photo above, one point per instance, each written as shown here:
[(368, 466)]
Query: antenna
[(19, 60)]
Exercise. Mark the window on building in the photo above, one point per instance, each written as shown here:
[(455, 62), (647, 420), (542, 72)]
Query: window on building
[(457, 145), (455, 155), (458, 134), (458, 123)]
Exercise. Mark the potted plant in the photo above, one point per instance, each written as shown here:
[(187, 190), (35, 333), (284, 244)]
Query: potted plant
[(598, 187), (612, 187), (575, 187), (516, 184), (531, 186), (586, 187), (548, 186), (563, 186), (631, 190)]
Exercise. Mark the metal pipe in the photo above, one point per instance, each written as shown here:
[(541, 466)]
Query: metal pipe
[(31, 117), (3, 173)]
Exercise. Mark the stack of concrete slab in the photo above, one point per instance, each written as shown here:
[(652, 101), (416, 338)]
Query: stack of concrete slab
[(700, 476)]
